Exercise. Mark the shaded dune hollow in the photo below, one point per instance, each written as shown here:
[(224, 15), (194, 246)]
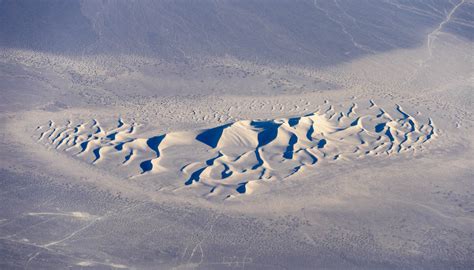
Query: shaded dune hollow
[(237, 157)]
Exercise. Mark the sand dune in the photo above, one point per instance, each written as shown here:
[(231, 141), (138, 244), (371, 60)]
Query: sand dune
[(231, 159)]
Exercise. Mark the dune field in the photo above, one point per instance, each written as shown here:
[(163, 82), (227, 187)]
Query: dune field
[(237, 134)]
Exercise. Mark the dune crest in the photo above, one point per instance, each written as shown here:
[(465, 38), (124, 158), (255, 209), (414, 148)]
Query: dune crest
[(231, 159)]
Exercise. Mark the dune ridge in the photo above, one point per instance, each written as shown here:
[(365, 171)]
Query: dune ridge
[(235, 158)]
